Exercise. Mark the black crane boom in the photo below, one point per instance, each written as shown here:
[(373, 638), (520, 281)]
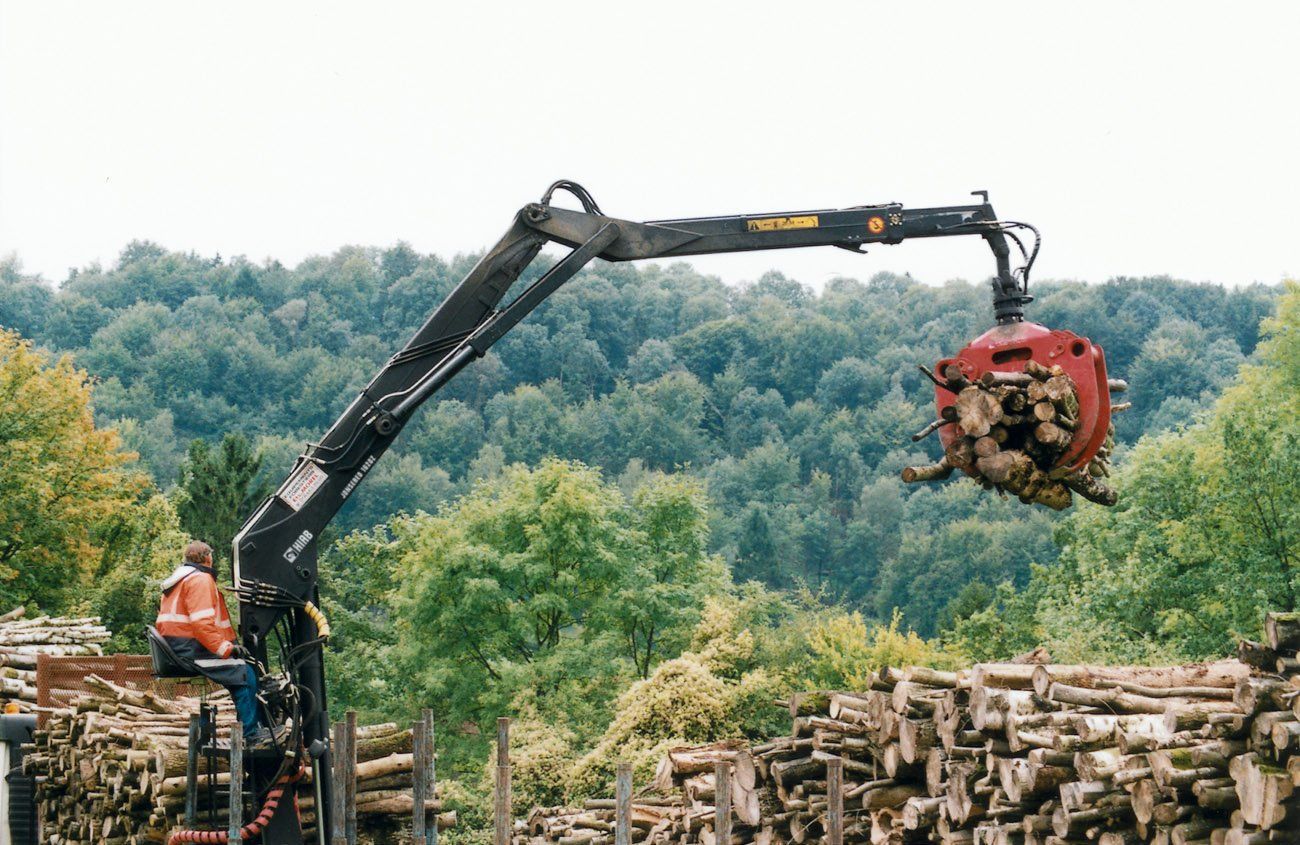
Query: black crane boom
[(275, 552)]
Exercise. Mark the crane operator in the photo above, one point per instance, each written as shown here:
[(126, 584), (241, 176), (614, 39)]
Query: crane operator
[(194, 620)]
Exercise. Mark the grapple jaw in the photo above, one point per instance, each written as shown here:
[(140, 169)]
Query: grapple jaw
[(1005, 349)]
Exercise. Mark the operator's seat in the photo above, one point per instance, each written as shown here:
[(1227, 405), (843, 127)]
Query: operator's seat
[(166, 662)]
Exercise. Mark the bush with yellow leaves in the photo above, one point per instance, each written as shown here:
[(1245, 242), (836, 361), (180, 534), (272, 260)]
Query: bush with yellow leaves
[(682, 702), (846, 649)]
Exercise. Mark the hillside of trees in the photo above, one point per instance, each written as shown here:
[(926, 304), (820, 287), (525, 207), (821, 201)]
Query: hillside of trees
[(792, 408), (661, 504)]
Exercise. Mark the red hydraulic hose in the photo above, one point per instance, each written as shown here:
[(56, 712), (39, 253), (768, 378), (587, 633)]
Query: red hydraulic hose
[(248, 831)]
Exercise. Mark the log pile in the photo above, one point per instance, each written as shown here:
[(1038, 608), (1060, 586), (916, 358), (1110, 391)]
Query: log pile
[(1012, 428), (593, 822), (1001, 754), (110, 769), (22, 640)]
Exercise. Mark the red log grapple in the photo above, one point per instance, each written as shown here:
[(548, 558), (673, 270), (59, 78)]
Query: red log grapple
[(1005, 348)]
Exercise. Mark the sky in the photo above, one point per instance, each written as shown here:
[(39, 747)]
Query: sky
[(1141, 138)]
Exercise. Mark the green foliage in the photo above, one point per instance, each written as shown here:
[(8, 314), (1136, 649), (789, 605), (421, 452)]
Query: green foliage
[(81, 529), (541, 754), (218, 489), (529, 556), (517, 587), (663, 585), (66, 487), (142, 545), (846, 650), (359, 573), (795, 406)]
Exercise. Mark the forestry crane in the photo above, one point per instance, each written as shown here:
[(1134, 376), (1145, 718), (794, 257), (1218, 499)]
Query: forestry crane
[(275, 552)]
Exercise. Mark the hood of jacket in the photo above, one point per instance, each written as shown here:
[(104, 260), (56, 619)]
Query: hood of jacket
[(182, 572)]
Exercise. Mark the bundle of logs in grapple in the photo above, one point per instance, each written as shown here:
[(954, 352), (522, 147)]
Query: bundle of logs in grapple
[(1001, 754), (1012, 428), (110, 769), (22, 640)]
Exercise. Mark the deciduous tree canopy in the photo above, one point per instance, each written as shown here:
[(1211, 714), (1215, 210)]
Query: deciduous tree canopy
[(795, 407)]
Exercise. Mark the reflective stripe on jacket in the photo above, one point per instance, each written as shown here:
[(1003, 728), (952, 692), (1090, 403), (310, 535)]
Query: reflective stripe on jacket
[(193, 609)]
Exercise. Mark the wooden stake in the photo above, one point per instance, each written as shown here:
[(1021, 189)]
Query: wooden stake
[(835, 801), (191, 774), (623, 804), (430, 776), (350, 777), (339, 750), (722, 802), (236, 786), (418, 773), (502, 797)]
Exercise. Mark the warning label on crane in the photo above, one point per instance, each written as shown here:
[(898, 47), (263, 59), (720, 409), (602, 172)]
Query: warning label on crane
[(302, 485), (772, 224)]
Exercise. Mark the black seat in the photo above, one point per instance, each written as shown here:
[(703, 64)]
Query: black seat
[(166, 662)]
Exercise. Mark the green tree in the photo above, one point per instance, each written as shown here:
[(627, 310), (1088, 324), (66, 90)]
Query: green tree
[(505, 585), (63, 482), (359, 574), (141, 544), (669, 573), (218, 489)]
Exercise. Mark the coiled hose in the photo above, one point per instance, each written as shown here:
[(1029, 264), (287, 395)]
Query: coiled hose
[(318, 619), (250, 830)]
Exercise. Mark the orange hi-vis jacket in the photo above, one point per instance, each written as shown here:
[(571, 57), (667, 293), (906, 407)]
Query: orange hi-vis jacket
[(193, 609)]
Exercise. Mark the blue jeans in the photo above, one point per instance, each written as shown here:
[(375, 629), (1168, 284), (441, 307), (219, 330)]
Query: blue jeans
[(245, 698)]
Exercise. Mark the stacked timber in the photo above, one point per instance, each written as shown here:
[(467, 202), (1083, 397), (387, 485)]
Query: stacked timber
[(1011, 429), (22, 640), (110, 769), (1001, 754), (593, 822)]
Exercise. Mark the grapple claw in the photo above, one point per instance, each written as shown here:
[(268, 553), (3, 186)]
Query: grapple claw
[(1010, 352)]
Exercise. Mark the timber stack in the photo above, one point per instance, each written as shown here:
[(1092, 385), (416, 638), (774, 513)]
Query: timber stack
[(1010, 431), (22, 640), (110, 769), (1022, 753)]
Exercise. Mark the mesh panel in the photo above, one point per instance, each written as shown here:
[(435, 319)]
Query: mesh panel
[(59, 679)]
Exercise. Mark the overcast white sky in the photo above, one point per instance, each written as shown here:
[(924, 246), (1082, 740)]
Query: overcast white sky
[(1140, 137)]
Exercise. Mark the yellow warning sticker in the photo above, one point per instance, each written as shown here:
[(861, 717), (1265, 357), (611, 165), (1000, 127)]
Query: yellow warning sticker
[(876, 225), (772, 224)]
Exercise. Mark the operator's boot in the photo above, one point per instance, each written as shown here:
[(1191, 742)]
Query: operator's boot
[(264, 739)]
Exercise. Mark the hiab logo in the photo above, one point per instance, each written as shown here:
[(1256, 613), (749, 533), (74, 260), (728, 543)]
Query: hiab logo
[(291, 553)]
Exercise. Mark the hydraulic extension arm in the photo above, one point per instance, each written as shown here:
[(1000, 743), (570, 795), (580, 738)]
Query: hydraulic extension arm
[(275, 553)]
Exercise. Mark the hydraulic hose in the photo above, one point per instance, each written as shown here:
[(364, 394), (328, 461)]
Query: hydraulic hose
[(250, 830), (318, 619)]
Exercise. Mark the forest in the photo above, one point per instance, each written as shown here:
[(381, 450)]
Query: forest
[(659, 502), (793, 408)]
